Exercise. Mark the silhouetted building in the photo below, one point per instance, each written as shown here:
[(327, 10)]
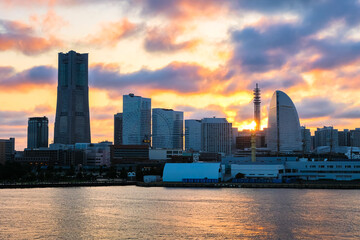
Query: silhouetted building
[(38, 132), (306, 139), (283, 133), (344, 137), (72, 122), (167, 128), (355, 137), (136, 120), (216, 134), (120, 154), (7, 150), (193, 134), (326, 136), (118, 128)]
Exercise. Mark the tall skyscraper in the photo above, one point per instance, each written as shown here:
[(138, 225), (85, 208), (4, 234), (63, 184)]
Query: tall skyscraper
[(136, 120), (118, 125), (38, 132), (216, 134), (284, 133), (72, 122), (167, 128), (257, 107), (193, 134)]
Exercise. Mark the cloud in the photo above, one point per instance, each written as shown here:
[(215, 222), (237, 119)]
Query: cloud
[(270, 46), (38, 75), (13, 118), (352, 113), (317, 107), (165, 40), (179, 77), (21, 37), (112, 32)]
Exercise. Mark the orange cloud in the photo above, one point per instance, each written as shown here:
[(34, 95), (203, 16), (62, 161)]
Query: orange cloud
[(21, 37), (111, 33)]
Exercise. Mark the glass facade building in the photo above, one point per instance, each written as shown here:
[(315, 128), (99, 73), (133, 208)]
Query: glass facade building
[(136, 120), (167, 129)]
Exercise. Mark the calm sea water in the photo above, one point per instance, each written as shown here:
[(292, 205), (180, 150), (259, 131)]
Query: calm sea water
[(129, 212)]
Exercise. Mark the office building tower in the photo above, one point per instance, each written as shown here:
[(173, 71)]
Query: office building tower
[(118, 125), (305, 139), (72, 122), (327, 136), (38, 132), (257, 102), (283, 131), (344, 138), (216, 134), (136, 120), (355, 137), (167, 128), (193, 135), (7, 150)]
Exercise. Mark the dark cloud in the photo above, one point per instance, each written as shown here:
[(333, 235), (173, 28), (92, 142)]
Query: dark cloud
[(179, 77), (353, 113), (12, 118), (270, 46), (317, 107), (35, 75)]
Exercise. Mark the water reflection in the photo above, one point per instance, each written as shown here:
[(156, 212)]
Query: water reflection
[(168, 213)]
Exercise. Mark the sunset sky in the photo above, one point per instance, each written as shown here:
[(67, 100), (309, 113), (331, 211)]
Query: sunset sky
[(202, 57)]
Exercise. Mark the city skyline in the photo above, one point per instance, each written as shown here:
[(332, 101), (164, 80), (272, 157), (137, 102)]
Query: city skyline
[(204, 63)]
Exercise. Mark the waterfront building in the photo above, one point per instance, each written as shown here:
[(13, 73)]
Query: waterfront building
[(305, 139), (283, 133), (120, 154), (72, 121), (167, 128), (7, 150), (136, 120), (193, 134), (327, 136), (165, 154), (96, 154), (118, 128), (192, 172), (38, 132), (216, 134)]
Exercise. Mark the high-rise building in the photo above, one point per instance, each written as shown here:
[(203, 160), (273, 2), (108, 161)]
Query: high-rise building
[(7, 150), (306, 139), (284, 133), (216, 134), (136, 120), (355, 137), (327, 136), (72, 122), (167, 128), (193, 134), (118, 125), (38, 132), (344, 137)]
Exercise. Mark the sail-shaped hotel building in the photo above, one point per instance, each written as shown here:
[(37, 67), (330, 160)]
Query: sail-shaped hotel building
[(284, 134)]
